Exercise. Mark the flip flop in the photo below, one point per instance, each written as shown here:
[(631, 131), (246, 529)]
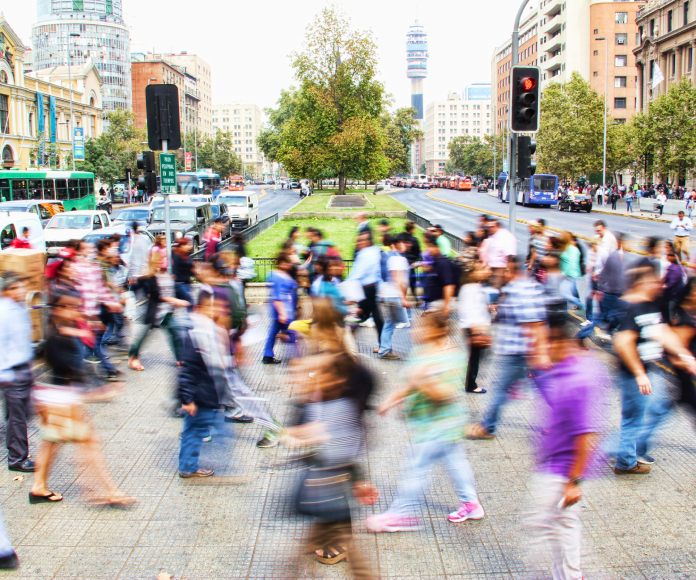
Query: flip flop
[(331, 555), (478, 433), (51, 497), (119, 501)]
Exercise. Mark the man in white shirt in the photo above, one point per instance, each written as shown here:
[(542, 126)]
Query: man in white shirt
[(495, 250), (607, 244), (661, 201), (682, 226), (392, 296)]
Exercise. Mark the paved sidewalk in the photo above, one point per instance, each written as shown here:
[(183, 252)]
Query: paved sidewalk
[(634, 527)]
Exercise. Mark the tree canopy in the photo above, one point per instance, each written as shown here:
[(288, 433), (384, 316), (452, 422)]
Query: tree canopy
[(217, 152)]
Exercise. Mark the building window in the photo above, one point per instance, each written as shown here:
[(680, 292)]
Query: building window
[(595, 31), (621, 17), (109, 7), (595, 74), (621, 38), (652, 27), (78, 5), (620, 60), (595, 53), (620, 82), (686, 13), (690, 59), (4, 115), (620, 103), (669, 21), (674, 64)]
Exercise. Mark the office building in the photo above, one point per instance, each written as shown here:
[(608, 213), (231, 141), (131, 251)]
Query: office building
[(87, 30), (454, 117), (666, 47), (244, 121), (35, 109)]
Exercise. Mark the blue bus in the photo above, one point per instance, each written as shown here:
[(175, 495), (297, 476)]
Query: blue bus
[(198, 182), (541, 189)]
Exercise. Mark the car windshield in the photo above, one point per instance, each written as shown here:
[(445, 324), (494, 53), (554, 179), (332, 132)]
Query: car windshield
[(130, 215), (236, 200), (67, 221), (13, 207), (176, 214)]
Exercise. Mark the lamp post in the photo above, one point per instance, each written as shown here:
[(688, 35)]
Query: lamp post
[(72, 119), (606, 96)]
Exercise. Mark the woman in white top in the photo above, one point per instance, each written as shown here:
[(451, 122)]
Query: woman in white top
[(474, 319)]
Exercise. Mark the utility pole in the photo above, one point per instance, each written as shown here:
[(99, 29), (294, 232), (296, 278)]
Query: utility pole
[(606, 96), (72, 117)]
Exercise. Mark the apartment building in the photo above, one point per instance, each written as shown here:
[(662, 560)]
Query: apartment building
[(666, 47), (154, 72), (454, 117), (245, 122)]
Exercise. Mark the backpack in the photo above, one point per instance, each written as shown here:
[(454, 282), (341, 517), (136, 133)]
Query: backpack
[(238, 308), (383, 260)]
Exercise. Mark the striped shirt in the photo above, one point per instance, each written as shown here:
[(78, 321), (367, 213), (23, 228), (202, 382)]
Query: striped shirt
[(522, 302)]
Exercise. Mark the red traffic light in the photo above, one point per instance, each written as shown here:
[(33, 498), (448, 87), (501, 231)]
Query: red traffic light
[(527, 83)]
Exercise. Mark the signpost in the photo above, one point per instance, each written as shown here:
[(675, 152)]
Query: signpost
[(79, 144), (168, 172)]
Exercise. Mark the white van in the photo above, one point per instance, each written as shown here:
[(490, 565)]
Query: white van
[(13, 222), (242, 207)]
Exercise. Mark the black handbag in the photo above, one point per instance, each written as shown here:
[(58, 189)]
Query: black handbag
[(324, 493)]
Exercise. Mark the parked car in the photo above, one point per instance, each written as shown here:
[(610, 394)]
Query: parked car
[(242, 207), (13, 222), (44, 209), (294, 184), (75, 225), (134, 214), (187, 219), (575, 202), (482, 186), (220, 211)]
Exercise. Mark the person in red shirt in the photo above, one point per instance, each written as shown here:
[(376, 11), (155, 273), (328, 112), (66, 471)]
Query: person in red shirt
[(22, 242)]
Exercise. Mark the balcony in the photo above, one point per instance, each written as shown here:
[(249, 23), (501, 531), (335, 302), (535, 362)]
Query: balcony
[(552, 26), (552, 8)]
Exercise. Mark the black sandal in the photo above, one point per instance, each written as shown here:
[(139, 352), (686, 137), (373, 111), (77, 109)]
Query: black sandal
[(52, 497), (331, 554)]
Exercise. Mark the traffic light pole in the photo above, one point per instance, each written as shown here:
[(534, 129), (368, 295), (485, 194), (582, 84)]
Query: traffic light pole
[(512, 165), (167, 221)]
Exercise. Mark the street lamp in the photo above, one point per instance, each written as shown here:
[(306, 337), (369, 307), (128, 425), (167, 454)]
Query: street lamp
[(606, 96), (72, 119)]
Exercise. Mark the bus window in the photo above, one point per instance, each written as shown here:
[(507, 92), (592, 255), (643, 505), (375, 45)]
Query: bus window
[(19, 189), (73, 189), (86, 187), (4, 190), (544, 183), (36, 188), (61, 189)]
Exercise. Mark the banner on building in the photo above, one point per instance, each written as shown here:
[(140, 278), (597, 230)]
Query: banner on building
[(52, 119), (79, 144), (188, 157), (41, 126)]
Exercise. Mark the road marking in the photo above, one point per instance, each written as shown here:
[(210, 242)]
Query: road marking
[(517, 220)]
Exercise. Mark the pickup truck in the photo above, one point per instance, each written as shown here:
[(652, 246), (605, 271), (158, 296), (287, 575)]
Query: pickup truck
[(75, 225), (189, 220)]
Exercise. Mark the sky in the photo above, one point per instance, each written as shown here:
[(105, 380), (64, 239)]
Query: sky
[(248, 42)]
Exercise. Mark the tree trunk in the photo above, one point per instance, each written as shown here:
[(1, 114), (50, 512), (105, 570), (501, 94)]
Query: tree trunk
[(341, 184)]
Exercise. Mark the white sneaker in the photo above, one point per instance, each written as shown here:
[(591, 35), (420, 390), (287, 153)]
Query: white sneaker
[(369, 323), (403, 325)]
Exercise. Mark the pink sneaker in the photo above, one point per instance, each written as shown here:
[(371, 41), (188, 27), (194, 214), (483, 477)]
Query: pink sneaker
[(468, 510), (387, 522)]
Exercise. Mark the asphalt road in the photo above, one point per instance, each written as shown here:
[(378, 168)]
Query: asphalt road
[(458, 220)]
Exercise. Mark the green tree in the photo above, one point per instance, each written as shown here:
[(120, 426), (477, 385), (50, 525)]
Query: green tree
[(401, 130), (109, 155), (332, 124), (471, 155), (666, 134), (571, 129), (217, 153)]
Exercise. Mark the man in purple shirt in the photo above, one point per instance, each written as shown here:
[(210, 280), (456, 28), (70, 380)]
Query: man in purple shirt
[(569, 434)]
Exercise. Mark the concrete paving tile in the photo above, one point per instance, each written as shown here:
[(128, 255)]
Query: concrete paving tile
[(114, 533), (92, 562), (172, 533), (57, 532), (148, 562), (232, 562), (39, 562)]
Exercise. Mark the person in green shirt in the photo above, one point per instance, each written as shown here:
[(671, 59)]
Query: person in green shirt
[(571, 268), (443, 242)]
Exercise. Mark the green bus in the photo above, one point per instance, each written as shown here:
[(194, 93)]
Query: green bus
[(74, 188)]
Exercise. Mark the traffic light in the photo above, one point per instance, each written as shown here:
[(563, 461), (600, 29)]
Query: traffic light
[(524, 99), (526, 147), (148, 180)]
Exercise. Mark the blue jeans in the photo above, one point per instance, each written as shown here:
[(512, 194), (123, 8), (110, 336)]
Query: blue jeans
[(569, 292), (393, 313), (98, 352), (611, 309), (641, 415), (425, 455), (629, 205), (5, 544), (510, 369), (276, 327), (112, 334), (195, 428)]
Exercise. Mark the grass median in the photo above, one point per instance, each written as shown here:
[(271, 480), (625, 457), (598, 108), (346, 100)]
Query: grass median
[(341, 232), (320, 199)]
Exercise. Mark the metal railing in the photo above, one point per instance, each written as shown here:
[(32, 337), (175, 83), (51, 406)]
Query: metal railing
[(249, 234), (457, 243), (264, 266)]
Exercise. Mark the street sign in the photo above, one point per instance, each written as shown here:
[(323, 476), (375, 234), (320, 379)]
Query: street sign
[(168, 172), (188, 157), (79, 144)]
